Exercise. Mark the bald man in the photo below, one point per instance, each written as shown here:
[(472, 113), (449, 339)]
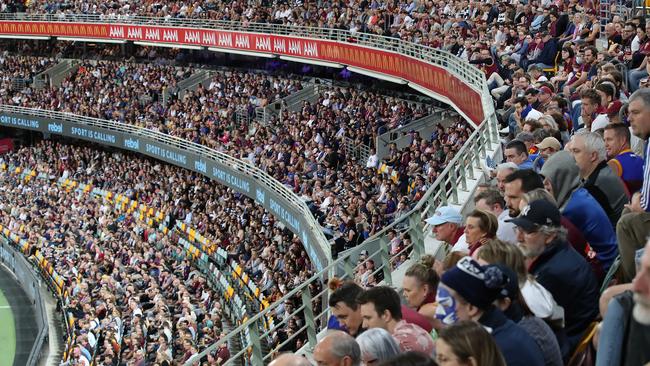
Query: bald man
[(337, 349), (289, 359)]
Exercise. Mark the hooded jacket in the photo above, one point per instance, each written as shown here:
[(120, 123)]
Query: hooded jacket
[(580, 207)]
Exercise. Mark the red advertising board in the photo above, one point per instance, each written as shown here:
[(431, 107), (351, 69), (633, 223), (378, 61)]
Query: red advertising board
[(431, 77)]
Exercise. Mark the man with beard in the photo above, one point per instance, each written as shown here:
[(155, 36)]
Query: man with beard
[(557, 266)]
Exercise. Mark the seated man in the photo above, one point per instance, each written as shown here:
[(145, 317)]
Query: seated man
[(626, 164), (380, 308), (588, 149), (337, 348), (580, 207), (557, 266), (447, 225)]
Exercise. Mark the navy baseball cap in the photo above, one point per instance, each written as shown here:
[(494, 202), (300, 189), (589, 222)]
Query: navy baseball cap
[(536, 214)]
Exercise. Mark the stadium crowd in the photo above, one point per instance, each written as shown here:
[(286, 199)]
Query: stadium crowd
[(305, 150), (532, 263), (133, 294)]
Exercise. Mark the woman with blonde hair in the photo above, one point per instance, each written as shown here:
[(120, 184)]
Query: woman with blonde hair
[(467, 343), (420, 284)]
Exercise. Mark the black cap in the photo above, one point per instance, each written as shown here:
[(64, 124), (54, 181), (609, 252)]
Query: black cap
[(536, 214)]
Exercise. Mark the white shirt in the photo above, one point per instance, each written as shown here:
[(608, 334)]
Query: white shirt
[(541, 302), (601, 121), (461, 245), (506, 230), (372, 161)]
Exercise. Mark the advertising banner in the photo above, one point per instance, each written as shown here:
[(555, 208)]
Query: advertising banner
[(426, 75), (271, 200)]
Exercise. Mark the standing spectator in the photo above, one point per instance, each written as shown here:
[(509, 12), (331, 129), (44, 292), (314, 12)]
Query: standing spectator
[(467, 343)]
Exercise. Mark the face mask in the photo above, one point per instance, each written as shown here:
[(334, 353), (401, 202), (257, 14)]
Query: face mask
[(578, 60), (446, 310)]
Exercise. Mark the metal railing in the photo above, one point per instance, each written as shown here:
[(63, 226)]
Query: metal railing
[(467, 73), (445, 190), (424, 125)]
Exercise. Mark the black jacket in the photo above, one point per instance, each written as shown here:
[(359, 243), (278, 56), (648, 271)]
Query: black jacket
[(568, 277)]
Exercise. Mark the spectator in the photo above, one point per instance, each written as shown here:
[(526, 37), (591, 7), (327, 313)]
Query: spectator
[(503, 170), (627, 165), (468, 343), (377, 345), (343, 302), (492, 201), (580, 207), (337, 348), (518, 183), (517, 152), (419, 285), (557, 267), (634, 226), (540, 302), (592, 117), (380, 308), (548, 147), (514, 306), (447, 227), (473, 289), (480, 226), (588, 149), (546, 59)]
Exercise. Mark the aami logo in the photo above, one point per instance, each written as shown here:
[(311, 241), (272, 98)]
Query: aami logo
[(133, 144), (55, 127), (201, 166)]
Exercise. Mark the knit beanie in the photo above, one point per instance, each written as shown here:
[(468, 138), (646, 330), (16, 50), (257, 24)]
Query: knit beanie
[(478, 285)]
